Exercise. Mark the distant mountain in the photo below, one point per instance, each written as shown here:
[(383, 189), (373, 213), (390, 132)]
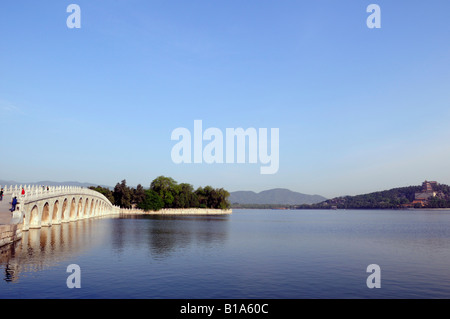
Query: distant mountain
[(50, 183), (277, 196)]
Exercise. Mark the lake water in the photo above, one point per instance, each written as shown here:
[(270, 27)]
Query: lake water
[(271, 254)]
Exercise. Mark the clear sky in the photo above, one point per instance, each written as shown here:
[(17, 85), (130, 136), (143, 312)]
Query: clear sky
[(358, 109)]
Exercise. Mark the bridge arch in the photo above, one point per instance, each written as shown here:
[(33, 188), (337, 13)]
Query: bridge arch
[(79, 208), (64, 211), (72, 209), (34, 217), (55, 211), (96, 208), (86, 207), (91, 208), (45, 218)]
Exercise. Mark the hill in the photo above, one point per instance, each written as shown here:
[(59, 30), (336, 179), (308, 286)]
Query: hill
[(277, 196), (395, 198)]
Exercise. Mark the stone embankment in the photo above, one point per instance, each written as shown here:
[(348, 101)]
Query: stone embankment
[(10, 233)]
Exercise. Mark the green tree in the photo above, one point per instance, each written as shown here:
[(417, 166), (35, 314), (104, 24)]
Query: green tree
[(122, 195), (202, 197), (209, 197), (184, 196), (152, 201), (223, 202), (138, 195), (166, 188)]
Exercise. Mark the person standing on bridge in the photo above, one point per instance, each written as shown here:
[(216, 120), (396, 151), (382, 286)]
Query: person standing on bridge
[(14, 203), (23, 191), (1, 195)]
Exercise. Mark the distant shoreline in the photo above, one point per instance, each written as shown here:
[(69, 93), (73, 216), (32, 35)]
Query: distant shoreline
[(316, 208), (177, 211)]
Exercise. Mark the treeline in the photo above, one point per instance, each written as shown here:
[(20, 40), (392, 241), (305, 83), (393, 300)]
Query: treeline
[(442, 199), (388, 199), (164, 192), (393, 198), (262, 206)]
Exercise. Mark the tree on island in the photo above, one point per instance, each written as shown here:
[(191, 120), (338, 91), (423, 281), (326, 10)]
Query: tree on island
[(209, 197), (137, 195), (151, 201), (165, 187), (122, 195), (185, 196)]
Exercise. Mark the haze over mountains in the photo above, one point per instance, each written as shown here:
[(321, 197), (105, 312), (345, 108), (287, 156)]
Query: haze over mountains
[(277, 196), (280, 196)]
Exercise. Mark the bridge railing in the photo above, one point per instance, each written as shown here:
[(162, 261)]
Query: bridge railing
[(35, 192)]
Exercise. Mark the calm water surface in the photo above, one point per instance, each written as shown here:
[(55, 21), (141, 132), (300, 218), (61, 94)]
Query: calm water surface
[(250, 254)]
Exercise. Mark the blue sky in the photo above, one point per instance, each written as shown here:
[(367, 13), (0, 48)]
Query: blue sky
[(358, 109)]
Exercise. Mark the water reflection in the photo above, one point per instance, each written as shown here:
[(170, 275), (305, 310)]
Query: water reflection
[(166, 234), (42, 248), (251, 254)]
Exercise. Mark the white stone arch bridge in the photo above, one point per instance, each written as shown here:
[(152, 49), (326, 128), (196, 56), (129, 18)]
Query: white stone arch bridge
[(43, 207)]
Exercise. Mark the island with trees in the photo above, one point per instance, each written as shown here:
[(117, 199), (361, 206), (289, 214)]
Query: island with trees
[(165, 193)]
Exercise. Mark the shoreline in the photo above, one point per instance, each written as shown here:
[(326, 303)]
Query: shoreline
[(177, 211), (332, 209)]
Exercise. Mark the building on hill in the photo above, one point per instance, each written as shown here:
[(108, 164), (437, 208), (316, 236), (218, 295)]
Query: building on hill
[(428, 186), (427, 192)]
